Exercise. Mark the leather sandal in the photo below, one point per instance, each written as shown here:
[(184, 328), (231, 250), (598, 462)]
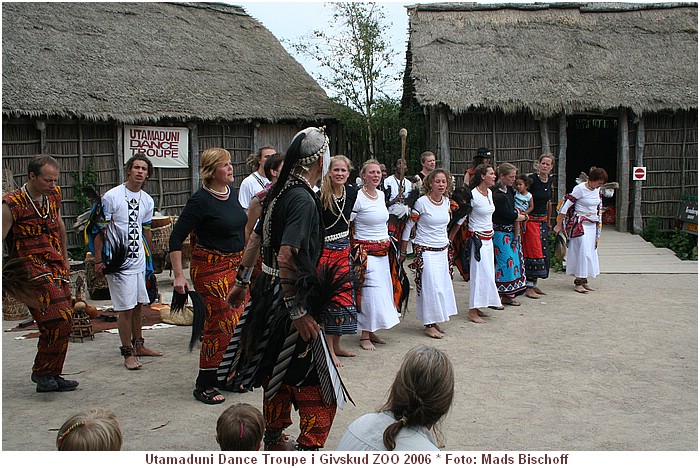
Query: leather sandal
[(207, 396)]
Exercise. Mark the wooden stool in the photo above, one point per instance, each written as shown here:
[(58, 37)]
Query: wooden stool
[(82, 328)]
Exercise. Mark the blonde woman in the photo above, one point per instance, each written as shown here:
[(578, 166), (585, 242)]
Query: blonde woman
[(338, 198), (371, 239), (218, 222), (435, 297)]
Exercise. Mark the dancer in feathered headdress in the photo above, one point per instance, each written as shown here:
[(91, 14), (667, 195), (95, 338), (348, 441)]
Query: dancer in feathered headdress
[(278, 343)]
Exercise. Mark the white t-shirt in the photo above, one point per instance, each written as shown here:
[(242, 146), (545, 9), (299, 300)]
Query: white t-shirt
[(482, 209), (432, 225), (392, 185), (126, 212), (370, 217), (366, 433), (249, 187), (587, 202)]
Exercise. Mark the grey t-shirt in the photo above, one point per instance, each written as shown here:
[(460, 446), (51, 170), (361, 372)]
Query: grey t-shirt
[(366, 433)]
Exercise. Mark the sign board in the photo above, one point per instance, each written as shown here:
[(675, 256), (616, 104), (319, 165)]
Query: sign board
[(688, 214), (164, 146), (639, 173)]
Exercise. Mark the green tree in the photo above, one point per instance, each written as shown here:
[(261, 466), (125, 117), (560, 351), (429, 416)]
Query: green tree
[(355, 60)]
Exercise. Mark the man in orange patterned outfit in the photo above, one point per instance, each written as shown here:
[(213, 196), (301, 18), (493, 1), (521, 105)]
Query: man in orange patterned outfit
[(33, 228)]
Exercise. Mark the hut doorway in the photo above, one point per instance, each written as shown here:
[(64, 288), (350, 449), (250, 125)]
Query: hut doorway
[(592, 141)]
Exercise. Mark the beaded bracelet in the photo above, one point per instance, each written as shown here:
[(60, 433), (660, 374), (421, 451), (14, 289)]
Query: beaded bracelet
[(242, 284), (289, 301), (245, 274), (297, 313)]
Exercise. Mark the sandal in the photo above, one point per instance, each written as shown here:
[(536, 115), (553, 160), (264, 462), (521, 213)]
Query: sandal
[(207, 396)]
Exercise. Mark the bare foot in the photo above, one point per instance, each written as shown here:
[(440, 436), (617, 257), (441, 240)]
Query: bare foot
[(141, 350), (474, 316), (482, 314), (367, 345), (539, 291), (437, 327), (336, 361), (375, 339), (531, 293), (432, 332), (588, 288), (132, 363), (580, 289), (344, 353)]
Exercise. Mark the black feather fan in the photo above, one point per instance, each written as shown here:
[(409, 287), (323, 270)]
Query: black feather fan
[(199, 310)]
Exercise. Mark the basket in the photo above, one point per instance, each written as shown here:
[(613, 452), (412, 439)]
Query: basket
[(160, 238), (97, 287), (186, 250), (184, 317), (12, 309)]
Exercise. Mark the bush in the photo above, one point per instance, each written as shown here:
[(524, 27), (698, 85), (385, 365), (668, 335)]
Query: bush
[(554, 263), (683, 244)]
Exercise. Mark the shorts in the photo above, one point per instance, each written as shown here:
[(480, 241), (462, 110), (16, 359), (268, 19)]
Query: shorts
[(127, 290)]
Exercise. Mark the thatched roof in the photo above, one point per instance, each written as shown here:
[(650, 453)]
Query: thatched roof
[(549, 58), (142, 62)]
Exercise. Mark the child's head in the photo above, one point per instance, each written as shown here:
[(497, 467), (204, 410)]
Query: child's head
[(522, 182), (240, 428), (94, 429)]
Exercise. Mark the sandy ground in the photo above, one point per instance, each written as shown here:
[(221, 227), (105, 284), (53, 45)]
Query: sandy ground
[(615, 369)]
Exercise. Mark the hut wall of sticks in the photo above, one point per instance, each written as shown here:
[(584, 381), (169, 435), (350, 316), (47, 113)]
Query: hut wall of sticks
[(74, 75), (606, 84)]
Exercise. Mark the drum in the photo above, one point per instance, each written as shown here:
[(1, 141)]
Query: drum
[(12, 309), (97, 287)]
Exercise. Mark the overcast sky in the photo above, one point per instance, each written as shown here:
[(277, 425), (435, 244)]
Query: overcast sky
[(289, 21)]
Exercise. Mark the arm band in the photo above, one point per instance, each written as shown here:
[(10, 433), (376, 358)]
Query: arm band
[(244, 275), (297, 313)]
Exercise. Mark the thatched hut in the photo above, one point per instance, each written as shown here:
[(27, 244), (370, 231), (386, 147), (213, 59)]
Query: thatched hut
[(607, 84), (74, 74)]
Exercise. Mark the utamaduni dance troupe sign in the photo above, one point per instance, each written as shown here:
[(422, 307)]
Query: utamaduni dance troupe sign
[(164, 146)]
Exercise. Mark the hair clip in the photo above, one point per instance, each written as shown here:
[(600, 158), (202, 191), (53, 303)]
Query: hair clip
[(241, 430), (68, 431)]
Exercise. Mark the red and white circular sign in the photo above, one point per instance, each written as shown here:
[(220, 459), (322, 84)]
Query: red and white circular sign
[(639, 173)]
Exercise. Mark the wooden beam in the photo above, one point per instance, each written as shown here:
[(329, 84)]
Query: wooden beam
[(623, 172), (561, 159), (194, 155), (41, 126), (444, 137), (544, 135), (119, 153), (637, 221)]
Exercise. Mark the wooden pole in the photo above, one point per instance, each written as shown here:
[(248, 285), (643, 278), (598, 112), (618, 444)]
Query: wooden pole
[(544, 135), (623, 200), (444, 136), (637, 221), (561, 159), (194, 156)]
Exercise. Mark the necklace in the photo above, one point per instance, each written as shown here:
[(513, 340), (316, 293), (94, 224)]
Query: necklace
[(43, 212), (484, 194), (371, 197), (341, 209), (219, 195), (436, 203)]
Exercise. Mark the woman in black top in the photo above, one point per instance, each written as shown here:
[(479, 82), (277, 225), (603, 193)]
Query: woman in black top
[(536, 232), (338, 198), (510, 275), (218, 221)]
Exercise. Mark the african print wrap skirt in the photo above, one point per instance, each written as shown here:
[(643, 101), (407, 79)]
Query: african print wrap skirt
[(510, 274), (536, 247), (213, 274), (341, 319)]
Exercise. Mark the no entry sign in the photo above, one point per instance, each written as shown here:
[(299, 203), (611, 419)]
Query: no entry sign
[(639, 173)]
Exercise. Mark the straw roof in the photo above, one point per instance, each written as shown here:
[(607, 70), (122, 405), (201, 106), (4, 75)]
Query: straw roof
[(143, 62), (556, 57)]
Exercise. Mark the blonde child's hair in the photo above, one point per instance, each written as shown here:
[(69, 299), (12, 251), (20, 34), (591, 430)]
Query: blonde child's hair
[(91, 430)]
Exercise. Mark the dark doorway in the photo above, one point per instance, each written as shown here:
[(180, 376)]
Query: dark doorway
[(591, 141)]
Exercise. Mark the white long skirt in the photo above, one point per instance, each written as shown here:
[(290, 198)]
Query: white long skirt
[(482, 279), (377, 309), (581, 255), (436, 301)]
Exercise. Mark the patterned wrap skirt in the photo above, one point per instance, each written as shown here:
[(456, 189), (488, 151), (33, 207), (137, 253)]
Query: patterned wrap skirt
[(536, 247), (510, 274), (213, 274), (340, 319)]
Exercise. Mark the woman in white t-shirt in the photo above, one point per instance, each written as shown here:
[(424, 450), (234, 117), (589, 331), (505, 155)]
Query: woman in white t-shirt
[(435, 297), (369, 217), (256, 181), (581, 219)]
